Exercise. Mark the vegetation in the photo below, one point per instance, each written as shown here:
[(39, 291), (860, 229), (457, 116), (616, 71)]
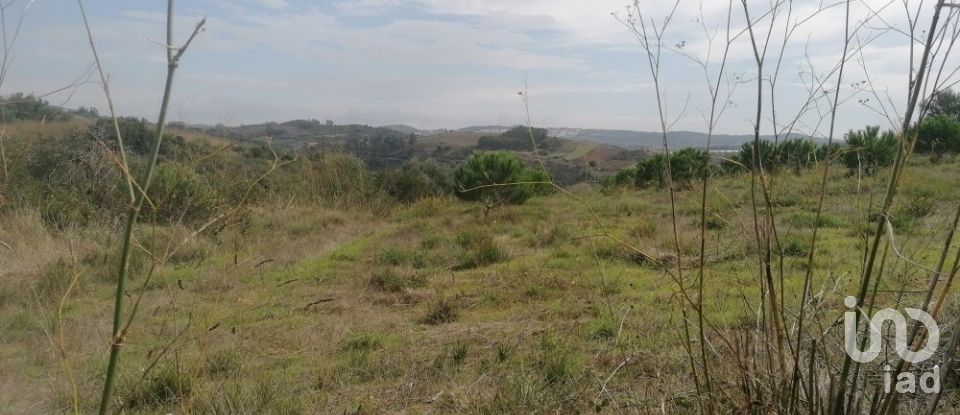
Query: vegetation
[(402, 272), (416, 180), (20, 107), (497, 178), (348, 276), (519, 138), (869, 150)]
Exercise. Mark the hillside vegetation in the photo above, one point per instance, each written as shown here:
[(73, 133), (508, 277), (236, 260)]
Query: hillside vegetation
[(331, 286)]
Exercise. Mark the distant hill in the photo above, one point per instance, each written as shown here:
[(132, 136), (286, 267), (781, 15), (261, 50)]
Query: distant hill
[(379, 147), (632, 138), (402, 128), (407, 129), (646, 139)]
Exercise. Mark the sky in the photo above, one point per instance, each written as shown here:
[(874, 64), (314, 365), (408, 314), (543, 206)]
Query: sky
[(454, 63)]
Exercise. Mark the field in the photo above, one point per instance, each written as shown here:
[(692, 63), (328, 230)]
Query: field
[(437, 306)]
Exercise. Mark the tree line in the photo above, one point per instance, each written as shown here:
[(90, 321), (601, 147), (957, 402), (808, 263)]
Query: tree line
[(866, 151)]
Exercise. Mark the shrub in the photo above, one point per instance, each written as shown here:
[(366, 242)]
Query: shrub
[(651, 171), (178, 193), (624, 179), (416, 180), (479, 250), (66, 179), (496, 178), (336, 180)]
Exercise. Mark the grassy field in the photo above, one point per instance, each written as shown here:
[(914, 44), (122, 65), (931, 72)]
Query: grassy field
[(433, 307)]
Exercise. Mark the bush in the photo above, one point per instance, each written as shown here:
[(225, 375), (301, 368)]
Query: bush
[(490, 177), (623, 180), (651, 171), (178, 193)]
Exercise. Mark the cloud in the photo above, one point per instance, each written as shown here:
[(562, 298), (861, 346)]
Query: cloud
[(367, 7), (274, 4), (448, 63)]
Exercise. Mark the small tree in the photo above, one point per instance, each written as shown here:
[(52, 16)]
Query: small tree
[(869, 150), (496, 178), (945, 103), (651, 171), (685, 165), (939, 134), (769, 154), (797, 153)]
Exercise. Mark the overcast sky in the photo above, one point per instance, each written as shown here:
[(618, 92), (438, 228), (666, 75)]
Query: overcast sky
[(449, 63)]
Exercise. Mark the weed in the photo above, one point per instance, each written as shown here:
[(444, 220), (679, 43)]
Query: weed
[(503, 352), (361, 342), (809, 220), (223, 362), (393, 256), (919, 203), (459, 352), (166, 385), (440, 312), (603, 329), (479, 250)]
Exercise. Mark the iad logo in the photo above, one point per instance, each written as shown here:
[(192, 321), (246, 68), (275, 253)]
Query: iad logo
[(906, 381)]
